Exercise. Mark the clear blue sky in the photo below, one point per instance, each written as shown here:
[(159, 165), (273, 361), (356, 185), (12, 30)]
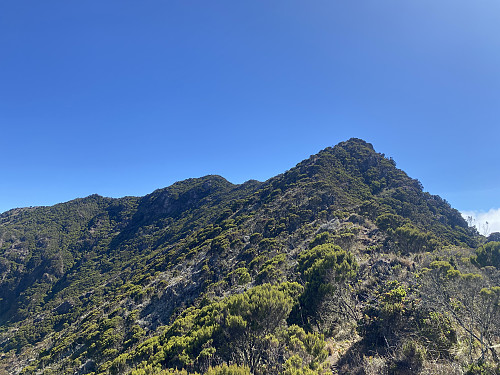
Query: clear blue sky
[(120, 97)]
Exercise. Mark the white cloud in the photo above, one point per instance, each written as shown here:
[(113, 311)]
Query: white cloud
[(480, 218)]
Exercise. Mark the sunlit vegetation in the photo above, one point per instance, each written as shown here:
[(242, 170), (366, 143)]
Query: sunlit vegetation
[(341, 264)]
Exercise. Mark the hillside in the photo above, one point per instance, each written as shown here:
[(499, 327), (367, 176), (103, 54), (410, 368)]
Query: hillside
[(342, 263)]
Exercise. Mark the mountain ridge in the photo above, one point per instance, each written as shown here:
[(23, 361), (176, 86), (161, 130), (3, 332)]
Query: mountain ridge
[(151, 260)]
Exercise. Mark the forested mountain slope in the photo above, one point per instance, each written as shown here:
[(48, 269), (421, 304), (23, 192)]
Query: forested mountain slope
[(340, 264)]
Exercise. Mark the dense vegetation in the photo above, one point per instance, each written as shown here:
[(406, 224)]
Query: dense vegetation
[(340, 264)]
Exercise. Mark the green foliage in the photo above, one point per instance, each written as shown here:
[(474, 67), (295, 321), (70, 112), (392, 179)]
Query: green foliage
[(272, 270), (309, 349), (488, 255), (411, 239), (102, 285), (482, 368), (389, 221), (437, 332), (157, 370), (324, 269), (320, 239), (242, 328), (239, 276), (326, 260), (294, 366), (395, 319), (228, 370), (471, 304)]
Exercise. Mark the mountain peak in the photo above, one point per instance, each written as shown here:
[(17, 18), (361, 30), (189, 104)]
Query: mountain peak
[(356, 141), (105, 274)]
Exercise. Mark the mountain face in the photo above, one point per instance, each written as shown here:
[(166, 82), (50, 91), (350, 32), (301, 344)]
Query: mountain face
[(305, 273)]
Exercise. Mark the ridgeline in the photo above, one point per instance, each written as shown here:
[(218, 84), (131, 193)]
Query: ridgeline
[(341, 264)]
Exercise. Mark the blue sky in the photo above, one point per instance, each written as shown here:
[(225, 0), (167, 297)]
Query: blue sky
[(122, 97)]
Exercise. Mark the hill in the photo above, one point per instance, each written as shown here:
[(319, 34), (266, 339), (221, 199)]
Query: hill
[(342, 263)]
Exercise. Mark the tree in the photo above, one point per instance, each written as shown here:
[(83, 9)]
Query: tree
[(327, 298), (250, 323), (488, 255), (466, 299)]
